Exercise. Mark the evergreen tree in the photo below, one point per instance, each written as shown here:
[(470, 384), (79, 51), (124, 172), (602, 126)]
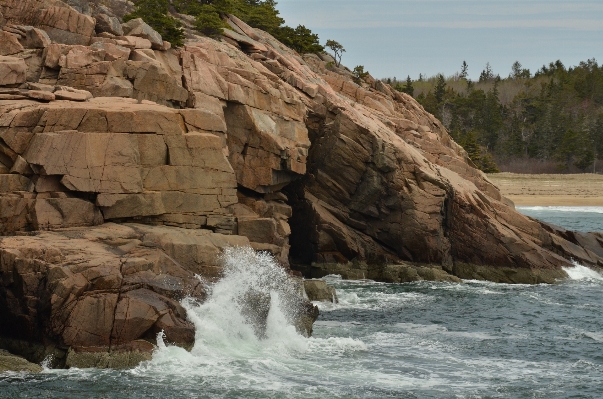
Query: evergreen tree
[(486, 74), (487, 164), (516, 70), (337, 49), (409, 89), (300, 39), (464, 70), (429, 102), (469, 143), (208, 20), (440, 88)]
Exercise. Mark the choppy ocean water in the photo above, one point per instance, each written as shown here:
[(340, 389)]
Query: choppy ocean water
[(417, 340)]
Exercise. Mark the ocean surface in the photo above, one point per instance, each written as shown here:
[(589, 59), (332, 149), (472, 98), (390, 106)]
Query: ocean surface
[(416, 340), (579, 218)]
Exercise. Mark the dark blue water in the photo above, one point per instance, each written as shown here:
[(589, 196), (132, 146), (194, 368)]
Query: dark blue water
[(417, 340)]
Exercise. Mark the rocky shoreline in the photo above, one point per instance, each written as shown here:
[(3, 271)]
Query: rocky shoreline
[(128, 166)]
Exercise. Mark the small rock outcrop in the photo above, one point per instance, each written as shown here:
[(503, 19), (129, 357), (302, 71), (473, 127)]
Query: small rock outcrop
[(14, 363), (319, 290)]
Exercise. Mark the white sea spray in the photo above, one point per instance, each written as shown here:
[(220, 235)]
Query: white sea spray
[(580, 272)]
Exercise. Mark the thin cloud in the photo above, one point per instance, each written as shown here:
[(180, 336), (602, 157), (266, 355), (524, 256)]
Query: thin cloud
[(574, 24), (468, 14)]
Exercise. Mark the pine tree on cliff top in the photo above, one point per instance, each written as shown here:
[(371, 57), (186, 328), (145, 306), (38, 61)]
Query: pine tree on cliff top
[(337, 49), (409, 89)]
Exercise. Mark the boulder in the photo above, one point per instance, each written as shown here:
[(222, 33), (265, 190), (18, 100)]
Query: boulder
[(81, 56), (153, 82), (112, 51), (13, 71), (34, 37), (9, 44), (72, 96), (65, 25), (134, 42), (58, 213), (41, 95), (14, 182), (250, 44), (246, 29), (319, 290), (137, 27), (266, 150), (113, 154), (34, 62), (105, 23)]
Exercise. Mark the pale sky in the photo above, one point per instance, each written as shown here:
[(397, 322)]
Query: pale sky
[(407, 37)]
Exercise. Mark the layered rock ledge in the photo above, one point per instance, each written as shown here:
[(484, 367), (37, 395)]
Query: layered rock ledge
[(126, 166)]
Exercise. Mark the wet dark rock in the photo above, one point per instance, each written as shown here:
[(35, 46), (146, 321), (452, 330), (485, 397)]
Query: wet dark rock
[(319, 290)]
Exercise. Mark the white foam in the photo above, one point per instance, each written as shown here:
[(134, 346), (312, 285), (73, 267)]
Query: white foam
[(228, 320), (579, 272), (586, 209), (229, 344)]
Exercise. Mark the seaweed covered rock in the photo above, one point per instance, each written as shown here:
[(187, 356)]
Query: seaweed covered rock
[(14, 363)]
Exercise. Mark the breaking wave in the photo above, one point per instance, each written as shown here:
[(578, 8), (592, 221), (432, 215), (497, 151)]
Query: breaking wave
[(579, 272), (245, 330)]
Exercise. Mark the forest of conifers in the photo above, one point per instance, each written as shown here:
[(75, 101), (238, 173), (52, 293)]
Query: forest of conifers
[(547, 122)]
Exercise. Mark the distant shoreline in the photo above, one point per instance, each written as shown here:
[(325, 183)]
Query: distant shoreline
[(550, 189)]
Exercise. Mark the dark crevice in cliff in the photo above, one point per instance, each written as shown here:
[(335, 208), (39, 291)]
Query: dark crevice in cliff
[(302, 248)]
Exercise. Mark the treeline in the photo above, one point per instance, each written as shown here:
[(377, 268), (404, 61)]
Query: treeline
[(553, 117), (209, 20)]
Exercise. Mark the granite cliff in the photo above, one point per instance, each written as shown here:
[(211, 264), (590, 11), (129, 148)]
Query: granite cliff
[(127, 166)]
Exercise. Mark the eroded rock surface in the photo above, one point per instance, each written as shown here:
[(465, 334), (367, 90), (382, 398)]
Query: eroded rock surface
[(126, 166), (106, 288)]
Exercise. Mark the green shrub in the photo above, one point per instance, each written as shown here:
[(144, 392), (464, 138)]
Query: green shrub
[(359, 73)]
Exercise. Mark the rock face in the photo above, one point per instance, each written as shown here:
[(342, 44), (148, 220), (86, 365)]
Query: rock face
[(62, 23), (135, 160), (12, 71), (111, 288), (127, 166)]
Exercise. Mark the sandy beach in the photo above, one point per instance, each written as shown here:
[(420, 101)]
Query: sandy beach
[(550, 190)]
